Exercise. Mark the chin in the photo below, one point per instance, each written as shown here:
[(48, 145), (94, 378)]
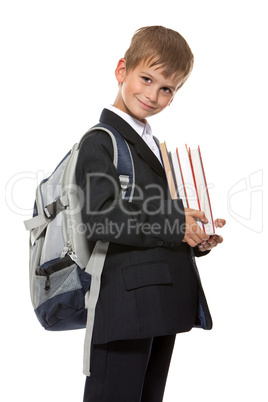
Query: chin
[(139, 116)]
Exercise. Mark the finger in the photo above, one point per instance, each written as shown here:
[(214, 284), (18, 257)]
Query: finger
[(193, 239), (196, 214), (204, 246), (218, 239), (200, 236), (189, 241), (219, 223), (192, 243), (195, 232), (212, 243), (201, 248), (200, 215)]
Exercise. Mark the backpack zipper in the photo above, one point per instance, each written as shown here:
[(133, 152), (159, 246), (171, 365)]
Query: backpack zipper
[(69, 251)]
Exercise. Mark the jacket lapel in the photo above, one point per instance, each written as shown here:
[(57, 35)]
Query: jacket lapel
[(134, 138)]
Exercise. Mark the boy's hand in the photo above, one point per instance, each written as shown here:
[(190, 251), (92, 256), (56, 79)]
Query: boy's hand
[(213, 240), (193, 233)]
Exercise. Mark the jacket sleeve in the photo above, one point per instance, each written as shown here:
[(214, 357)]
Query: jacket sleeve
[(199, 253), (107, 217)]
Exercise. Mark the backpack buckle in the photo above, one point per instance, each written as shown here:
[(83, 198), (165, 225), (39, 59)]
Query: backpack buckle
[(52, 210)]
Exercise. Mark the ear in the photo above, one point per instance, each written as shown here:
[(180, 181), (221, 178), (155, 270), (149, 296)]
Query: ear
[(120, 70)]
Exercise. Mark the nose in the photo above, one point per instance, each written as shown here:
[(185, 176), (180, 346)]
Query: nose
[(151, 94)]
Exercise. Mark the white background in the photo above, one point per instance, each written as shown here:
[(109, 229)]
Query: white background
[(57, 73)]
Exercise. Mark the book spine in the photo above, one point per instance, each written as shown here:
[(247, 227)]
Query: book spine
[(195, 185), (169, 174), (183, 181), (201, 160), (176, 190)]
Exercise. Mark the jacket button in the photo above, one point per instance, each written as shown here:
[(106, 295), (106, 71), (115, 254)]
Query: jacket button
[(160, 243), (172, 244)]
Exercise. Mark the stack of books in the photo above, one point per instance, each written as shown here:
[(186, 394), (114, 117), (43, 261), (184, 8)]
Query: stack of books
[(187, 180)]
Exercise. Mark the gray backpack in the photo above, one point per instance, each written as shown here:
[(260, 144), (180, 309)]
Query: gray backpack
[(65, 277)]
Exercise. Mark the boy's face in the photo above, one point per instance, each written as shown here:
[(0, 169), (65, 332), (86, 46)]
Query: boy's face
[(144, 91)]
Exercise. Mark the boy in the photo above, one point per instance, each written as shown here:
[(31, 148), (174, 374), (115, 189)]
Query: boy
[(150, 288)]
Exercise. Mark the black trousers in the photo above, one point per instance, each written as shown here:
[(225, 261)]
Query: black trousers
[(129, 371)]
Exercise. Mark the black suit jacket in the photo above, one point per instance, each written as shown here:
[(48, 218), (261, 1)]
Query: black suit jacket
[(150, 284)]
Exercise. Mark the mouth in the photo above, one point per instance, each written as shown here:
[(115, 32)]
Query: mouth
[(145, 106)]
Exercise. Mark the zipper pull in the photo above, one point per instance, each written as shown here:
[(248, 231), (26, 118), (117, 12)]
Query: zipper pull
[(64, 252), (75, 259), (67, 249), (72, 255)]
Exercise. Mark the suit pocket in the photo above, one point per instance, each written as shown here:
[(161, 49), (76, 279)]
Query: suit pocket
[(147, 274)]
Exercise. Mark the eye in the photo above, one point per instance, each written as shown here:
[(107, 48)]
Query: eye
[(166, 90), (147, 80)]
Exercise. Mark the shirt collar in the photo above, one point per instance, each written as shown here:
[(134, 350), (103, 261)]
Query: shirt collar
[(137, 125)]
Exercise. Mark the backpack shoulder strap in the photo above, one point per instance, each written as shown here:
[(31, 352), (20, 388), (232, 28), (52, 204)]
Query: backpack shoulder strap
[(125, 168), (122, 159)]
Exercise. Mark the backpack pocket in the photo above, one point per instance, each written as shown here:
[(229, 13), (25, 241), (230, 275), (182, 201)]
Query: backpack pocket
[(61, 286)]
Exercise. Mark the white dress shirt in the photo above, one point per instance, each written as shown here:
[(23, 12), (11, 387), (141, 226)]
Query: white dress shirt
[(143, 129)]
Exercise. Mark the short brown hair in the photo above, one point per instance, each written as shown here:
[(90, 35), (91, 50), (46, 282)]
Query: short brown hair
[(160, 46)]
